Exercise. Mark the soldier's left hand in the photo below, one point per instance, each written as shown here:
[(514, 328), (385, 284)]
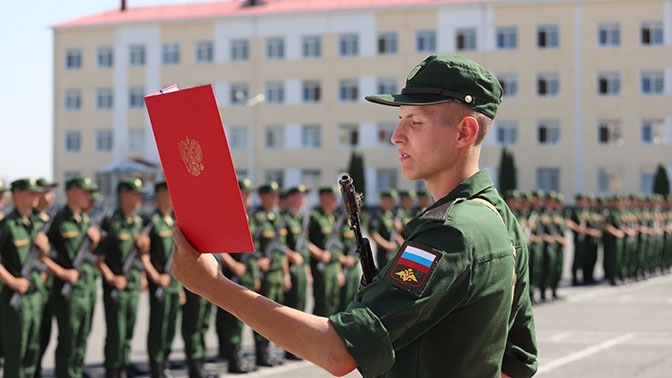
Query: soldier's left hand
[(142, 241), (42, 242), (94, 234)]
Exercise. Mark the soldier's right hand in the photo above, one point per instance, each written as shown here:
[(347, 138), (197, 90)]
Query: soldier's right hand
[(326, 256), (164, 280), (71, 275), (119, 282), (20, 285), (264, 263)]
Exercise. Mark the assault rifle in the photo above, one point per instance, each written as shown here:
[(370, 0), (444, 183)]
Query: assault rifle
[(32, 263), (351, 203), (132, 261), (332, 240)]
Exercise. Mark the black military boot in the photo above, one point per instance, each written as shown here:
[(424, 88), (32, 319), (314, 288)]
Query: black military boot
[(264, 356), (237, 362), (113, 373), (196, 370), (157, 370)]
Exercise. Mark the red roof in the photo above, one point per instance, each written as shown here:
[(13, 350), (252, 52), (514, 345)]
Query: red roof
[(235, 8)]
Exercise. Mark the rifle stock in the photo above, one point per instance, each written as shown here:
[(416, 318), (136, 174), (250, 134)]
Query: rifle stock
[(351, 203)]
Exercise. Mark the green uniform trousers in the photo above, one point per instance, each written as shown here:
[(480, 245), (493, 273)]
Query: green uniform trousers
[(271, 288), (162, 324), (196, 314), (325, 289), (296, 296), (120, 319), (20, 332), (349, 290)]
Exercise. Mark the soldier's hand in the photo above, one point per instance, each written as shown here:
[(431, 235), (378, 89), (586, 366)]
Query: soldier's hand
[(144, 284), (341, 279), (196, 271), (183, 297), (326, 256), (42, 242), (20, 285), (264, 263), (71, 275), (119, 282), (142, 241), (287, 283), (93, 234), (295, 258), (348, 261), (164, 280)]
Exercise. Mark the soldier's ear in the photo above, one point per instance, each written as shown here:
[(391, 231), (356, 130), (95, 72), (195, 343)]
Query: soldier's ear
[(468, 130)]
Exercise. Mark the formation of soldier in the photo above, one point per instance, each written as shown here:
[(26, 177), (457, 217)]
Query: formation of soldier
[(632, 233), (51, 263)]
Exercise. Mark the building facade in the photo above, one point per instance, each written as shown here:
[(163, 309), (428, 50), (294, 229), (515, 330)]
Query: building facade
[(587, 83)]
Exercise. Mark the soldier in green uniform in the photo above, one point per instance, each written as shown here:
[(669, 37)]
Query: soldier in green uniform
[(196, 318), (454, 300), (122, 243), (270, 240), (423, 201), (73, 236), (578, 222), (326, 250), (240, 268), (165, 294), (349, 266), (406, 209), (537, 238), (384, 227), (612, 239), (20, 324)]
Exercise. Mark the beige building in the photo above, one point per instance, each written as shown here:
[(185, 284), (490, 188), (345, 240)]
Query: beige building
[(588, 85)]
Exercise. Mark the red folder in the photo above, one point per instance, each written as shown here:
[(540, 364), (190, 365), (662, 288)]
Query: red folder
[(198, 168)]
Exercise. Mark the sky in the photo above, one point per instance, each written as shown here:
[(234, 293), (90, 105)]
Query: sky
[(26, 78)]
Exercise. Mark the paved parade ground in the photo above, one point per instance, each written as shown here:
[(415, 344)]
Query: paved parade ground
[(595, 331)]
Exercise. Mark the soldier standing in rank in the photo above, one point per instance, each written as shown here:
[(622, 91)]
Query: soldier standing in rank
[(536, 237), (19, 327), (165, 293), (325, 252), (122, 240), (44, 204), (240, 268), (423, 201), (555, 206), (594, 231), (384, 228), (196, 318), (72, 236), (612, 239), (350, 266), (578, 222), (406, 210), (270, 234), (296, 221)]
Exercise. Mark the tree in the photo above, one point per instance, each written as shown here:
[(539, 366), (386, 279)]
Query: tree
[(661, 184), (356, 171), (507, 172)]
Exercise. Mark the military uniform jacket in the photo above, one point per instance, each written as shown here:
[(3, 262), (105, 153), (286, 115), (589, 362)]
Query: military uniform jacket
[(66, 235), (161, 247), (118, 239), (268, 229), (250, 260), (320, 229), (382, 223), (294, 226), (445, 306), (16, 241)]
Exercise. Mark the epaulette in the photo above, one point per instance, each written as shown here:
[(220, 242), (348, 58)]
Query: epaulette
[(440, 213)]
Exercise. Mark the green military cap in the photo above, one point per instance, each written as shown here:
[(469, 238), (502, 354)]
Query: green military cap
[(538, 193), (422, 192), (44, 183), (407, 193), (552, 195), (80, 181), (527, 196), (27, 184), (269, 187), (443, 78), (511, 193), (160, 185), (559, 197), (390, 193), (245, 185), (296, 189), (133, 184), (329, 189), (96, 196)]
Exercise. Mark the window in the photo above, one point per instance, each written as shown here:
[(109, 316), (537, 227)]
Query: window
[(548, 84), (609, 34), (507, 133), (103, 141), (348, 90), (348, 135), (274, 137), (384, 133), (136, 97), (466, 39), (275, 48), (73, 99), (608, 180), (653, 82), (275, 92), (137, 55), (276, 175), (609, 132), (136, 141), (548, 36), (311, 91), (73, 141), (507, 38), (348, 45), (311, 136), (652, 33), (239, 93), (608, 83), (548, 179), (387, 85), (104, 98), (170, 53), (425, 41), (240, 49), (312, 46), (205, 52), (646, 182), (73, 59), (105, 57), (509, 84), (311, 177), (653, 132), (386, 179), (237, 137), (387, 43), (548, 132)]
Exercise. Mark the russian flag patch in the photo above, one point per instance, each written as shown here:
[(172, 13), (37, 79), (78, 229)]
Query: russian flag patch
[(412, 268)]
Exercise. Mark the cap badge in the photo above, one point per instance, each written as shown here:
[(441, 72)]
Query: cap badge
[(414, 71), (192, 155), (468, 99)]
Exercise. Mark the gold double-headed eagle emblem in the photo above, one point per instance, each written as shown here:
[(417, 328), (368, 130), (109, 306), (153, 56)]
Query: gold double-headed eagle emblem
[(192, 155), (407, 275)]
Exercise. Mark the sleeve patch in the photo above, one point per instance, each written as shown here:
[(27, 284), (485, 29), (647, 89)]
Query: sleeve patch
[(412, 268)]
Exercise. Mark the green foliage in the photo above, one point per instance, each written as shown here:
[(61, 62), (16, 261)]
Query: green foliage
[(661, 183), (507, 172)]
